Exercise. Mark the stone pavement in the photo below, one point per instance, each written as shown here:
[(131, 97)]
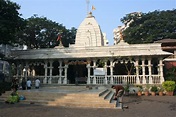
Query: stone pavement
[(144, 106), (151, 106)]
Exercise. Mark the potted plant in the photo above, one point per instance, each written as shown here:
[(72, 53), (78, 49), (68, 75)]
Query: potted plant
[(127, 89), (160, 90), (139, 93), (146, 90), (169, 86), (153, 90)]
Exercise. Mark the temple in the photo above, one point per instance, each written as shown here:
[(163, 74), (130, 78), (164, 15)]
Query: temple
[(91, 60)]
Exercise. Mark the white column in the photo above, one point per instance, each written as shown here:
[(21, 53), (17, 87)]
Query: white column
[(88, 70), (105, 80), (143, 71), (161, 70), (111, 70), (150, 71), (94, 66), (46, 71), (60, 73), (65, 79), (137, 71), (26, 70), (51, 70), (33, 72)]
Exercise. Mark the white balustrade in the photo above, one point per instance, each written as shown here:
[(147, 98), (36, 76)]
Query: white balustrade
[(123, 79), (100, 80)]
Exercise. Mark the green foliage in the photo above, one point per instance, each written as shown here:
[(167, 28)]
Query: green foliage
[(149, 27), (171, 74), (160, 89), (147, 87), (140, 88), (100, 63), (127, 87), (169, 85), (154, 89), (10, 22), (41, 32)]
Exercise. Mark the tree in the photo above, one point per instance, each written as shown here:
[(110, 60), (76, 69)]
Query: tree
[(149, 27), (41, 32), (10, 22)]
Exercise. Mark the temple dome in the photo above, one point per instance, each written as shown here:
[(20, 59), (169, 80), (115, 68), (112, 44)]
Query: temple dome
[(89, 33)]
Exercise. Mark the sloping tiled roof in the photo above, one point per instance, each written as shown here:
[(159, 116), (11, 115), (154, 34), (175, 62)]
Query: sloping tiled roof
[(166, 41)]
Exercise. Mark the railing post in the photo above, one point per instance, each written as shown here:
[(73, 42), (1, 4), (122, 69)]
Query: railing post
[(150, 71), (60, 72), (46, 70), (161, 70), (111, 70), (94, 66), (143, 71), (51, 69), (137, 71), (105, 80), (88, 71), (65, 79)]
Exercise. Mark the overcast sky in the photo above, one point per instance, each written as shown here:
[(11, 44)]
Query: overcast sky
[(108, 13)]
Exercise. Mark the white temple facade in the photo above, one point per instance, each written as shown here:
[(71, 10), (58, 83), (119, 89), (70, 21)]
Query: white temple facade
[(123, 62)]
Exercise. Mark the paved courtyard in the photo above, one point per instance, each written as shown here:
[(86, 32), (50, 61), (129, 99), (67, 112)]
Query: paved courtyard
[(144, 106)]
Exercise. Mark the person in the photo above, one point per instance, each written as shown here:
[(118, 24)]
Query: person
[(13, 98), (37, 83), (14, 85), (23, 84), (29, 84), (118, 95), (119, 90)]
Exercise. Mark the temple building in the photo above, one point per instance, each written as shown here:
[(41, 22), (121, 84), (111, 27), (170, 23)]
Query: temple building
[(169, 45), (91, 60)]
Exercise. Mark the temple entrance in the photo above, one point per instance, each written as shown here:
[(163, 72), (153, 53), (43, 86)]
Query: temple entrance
[(76, 69)]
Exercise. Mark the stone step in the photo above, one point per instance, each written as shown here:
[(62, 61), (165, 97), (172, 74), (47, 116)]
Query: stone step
[(33, 97), (78, 104), (91, 100), (86, 98), (101, 94)]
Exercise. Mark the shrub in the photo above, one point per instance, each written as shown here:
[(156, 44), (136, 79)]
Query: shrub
[(169, 85), (154, 89)]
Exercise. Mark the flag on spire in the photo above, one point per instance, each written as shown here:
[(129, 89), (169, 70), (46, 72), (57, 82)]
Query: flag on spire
[(93, 8), (59, 37)]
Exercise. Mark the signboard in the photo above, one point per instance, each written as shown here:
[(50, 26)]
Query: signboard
[(99, 71)]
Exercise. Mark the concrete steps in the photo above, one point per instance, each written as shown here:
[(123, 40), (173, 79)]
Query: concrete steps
[(82, 100), (76, 97)]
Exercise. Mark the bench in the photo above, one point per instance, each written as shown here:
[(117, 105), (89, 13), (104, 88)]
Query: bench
[(80, 79)]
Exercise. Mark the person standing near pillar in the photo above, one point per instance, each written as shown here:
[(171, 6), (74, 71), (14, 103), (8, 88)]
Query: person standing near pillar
[(29, 84), (37, 83), (23, 84)]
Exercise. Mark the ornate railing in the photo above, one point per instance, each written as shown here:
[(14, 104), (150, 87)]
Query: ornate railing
[(123, 79), (102, 80)]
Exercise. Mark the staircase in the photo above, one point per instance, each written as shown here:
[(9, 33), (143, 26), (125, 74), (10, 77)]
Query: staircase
[(67, 96)]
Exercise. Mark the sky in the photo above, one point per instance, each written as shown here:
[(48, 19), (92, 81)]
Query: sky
[(108, 13)]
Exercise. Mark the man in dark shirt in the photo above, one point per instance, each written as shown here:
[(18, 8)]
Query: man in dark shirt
[(119, 91)]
